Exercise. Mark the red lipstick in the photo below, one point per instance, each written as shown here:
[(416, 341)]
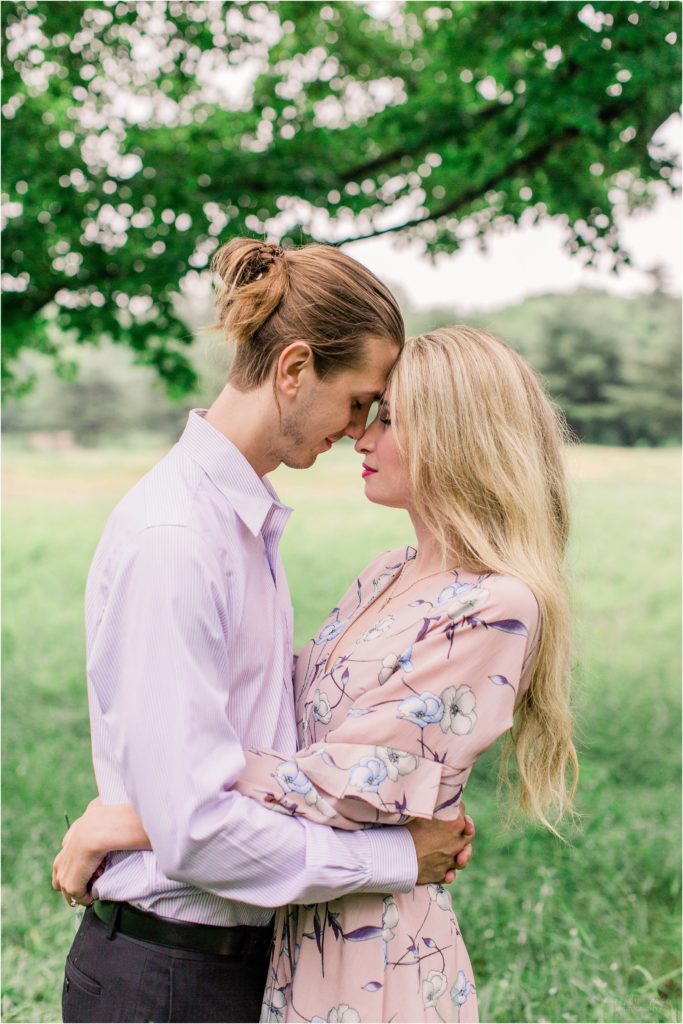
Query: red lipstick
[(367, 471)]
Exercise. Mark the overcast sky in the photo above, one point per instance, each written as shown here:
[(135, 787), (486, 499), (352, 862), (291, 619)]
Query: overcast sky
[(530, 261)]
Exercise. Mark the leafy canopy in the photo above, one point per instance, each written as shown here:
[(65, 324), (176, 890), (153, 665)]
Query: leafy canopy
[(140, 134)]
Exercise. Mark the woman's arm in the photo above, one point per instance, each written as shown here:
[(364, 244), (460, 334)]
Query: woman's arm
[(408, 743), (404, 751), (101, 828)]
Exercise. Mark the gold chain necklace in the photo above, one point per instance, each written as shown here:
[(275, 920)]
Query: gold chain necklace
[(420, 579)]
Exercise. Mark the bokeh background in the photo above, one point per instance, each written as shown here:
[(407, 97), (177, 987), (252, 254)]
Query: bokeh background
[(512, 165)]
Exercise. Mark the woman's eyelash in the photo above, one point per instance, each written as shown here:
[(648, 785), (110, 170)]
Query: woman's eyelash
[(385, 420)]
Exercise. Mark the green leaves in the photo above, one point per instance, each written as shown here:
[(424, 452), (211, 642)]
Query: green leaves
[(143, 134)]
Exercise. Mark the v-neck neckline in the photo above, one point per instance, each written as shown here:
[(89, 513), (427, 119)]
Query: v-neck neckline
[(364, 606)]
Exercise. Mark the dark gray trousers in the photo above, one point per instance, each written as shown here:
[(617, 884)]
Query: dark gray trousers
[(112, 977)]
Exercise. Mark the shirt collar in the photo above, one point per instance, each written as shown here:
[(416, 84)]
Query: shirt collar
[(251, 496)]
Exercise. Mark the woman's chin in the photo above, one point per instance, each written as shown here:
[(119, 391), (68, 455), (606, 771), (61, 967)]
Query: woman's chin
[(377, 498)]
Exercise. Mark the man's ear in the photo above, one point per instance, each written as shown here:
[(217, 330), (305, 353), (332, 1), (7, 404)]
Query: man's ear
[(293, 363)]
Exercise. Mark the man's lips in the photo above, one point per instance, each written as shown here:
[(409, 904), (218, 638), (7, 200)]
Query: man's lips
[(367, 470)]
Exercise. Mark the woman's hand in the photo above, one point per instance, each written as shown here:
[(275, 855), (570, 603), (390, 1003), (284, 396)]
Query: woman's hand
[(103, 827)]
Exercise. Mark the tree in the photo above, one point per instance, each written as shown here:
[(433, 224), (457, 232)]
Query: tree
[(613, 365), (583, 368), (649, 402), (141, 133)]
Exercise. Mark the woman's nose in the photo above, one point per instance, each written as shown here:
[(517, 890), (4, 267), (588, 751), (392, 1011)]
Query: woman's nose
[(365, 442)]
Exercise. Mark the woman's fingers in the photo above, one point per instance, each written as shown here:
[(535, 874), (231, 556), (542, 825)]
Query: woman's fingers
[(464, 857), (55, 881), (76, 899), (71, 875), (58, 880)]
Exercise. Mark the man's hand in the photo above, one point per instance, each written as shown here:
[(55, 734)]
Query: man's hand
[(441, 847)]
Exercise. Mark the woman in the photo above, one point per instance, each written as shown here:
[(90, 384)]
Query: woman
[(432, 654)]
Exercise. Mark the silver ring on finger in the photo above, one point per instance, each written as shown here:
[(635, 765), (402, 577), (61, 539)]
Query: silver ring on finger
[(73, 902)]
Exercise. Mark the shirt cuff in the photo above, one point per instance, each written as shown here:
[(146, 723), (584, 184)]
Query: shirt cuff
[(392, 860)]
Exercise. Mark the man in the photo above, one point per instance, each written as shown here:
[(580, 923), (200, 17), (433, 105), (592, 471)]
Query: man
[(189, 634)]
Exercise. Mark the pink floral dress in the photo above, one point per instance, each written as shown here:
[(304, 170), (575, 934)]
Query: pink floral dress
[(389, 731)]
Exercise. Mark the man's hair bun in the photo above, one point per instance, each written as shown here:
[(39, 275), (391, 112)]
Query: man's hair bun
[(254, 278), (269, 298)]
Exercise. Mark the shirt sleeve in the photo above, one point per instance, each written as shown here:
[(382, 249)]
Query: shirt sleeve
[(407, 745), (158, 665)]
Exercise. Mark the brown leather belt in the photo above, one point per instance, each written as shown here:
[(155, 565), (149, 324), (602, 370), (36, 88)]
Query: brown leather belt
[(241, 940)]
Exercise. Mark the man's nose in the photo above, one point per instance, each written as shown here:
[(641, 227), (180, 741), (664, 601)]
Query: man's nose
[(355, 430), (336, 437)]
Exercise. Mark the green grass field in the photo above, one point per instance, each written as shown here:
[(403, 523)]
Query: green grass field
[(581, 932)]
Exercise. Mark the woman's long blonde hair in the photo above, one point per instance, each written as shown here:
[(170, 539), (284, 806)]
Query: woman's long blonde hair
[(483, 447)]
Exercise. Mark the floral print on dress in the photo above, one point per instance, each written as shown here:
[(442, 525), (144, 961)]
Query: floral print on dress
[(433, 987), (390, 726), (393, 662), (461, 989), (462, 599), (459, 715), (383, 626), (440, 895), (338, 1014), (322, 709), (397, 762)]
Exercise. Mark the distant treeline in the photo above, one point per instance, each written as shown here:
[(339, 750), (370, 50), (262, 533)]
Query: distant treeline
[(613, 365)]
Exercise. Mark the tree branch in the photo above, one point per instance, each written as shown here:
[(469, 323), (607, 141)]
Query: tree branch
[(568, 74), (527, 162), (444, 135)]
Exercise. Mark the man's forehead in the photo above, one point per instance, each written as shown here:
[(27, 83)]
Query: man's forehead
[(380, 359), (367, 384), (370, 380)]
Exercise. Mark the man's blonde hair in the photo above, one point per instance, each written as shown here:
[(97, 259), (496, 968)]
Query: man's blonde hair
[(269, 297)]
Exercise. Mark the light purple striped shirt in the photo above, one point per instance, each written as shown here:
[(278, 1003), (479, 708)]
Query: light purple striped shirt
[(189, 660)]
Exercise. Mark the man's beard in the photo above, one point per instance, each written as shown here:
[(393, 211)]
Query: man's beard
[(295, 450)]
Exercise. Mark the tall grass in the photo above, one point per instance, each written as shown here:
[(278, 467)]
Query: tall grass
[(587, 931)]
